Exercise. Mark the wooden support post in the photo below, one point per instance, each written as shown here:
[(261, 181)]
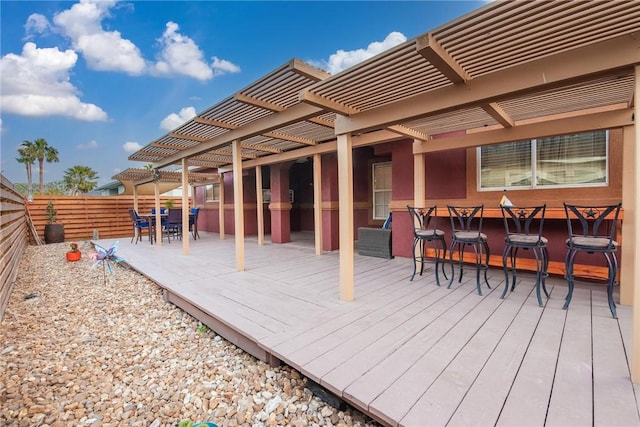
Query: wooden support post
[(158, 220), (259, 205), (135, 197), (419, 190), (185, 207), (630, 222), (238, 204), (635, 340), (345, 215), (419, 176), (317, 202), (221, 208)]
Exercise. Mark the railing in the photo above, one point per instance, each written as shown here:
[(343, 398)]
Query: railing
[(87, 217), (13, 238)]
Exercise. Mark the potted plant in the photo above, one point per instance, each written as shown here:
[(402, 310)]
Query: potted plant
[(74, 254), (53, 232), (168, 204)]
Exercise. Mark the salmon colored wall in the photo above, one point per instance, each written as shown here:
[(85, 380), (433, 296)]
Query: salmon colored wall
[(280, 217), (451, 179), (301, 182), (446, 173), (330, 225), (402, 170)]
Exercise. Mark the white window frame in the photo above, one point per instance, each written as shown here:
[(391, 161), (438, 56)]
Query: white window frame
[(376, 192), (213, 193), (534, 168), (266, 195)]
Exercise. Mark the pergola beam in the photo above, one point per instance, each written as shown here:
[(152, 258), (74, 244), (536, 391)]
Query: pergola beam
[(261, 148), (498, 114), (215, 123), (371, 138), (408, 132), (604, 120), (430, 49), (240, 97), (274, 121), (604, 58), (291, 138)]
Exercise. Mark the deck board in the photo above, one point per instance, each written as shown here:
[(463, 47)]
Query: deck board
[(405, 352), (339, 374), (571, 402), (485, 398), (449, 387), (396, 400), (532, 386), (614, 400), (382, 377)]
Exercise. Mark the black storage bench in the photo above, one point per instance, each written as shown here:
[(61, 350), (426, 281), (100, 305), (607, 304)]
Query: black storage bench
[(374, 242)]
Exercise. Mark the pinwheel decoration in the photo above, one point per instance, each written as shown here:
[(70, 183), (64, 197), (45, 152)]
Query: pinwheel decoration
[(106, 258)]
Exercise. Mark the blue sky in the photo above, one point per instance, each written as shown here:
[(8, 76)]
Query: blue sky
[(100, 79)]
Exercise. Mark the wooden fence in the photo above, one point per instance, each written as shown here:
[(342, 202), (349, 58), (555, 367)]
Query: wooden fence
[(13, 238), (86, 217)]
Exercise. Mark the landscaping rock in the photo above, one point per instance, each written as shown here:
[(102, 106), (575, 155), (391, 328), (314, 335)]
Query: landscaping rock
[(77, 349)]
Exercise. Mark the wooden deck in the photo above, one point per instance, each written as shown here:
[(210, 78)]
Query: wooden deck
[(409, 353)]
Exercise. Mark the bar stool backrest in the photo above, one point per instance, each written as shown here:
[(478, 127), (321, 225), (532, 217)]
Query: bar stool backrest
[(424, 218), (524, 220), (466, 218), (592, 221)]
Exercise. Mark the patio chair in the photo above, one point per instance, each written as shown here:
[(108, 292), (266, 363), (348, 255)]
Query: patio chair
[(425, 231), (138, 225), (193, 222), (592, 229), (376, 242), (466, 230), (174, 223), (523, 230)]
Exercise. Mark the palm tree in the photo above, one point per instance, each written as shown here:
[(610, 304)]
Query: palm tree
[(44, 152), (27, 157), (80, 180)]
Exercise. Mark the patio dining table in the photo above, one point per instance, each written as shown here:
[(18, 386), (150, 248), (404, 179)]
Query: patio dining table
[(151, 218)]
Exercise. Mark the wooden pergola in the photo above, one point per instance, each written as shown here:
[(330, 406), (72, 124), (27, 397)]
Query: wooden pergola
[(505, 72), (144, 177)]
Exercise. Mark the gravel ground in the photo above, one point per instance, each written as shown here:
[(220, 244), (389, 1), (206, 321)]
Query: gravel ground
[(78, 351)]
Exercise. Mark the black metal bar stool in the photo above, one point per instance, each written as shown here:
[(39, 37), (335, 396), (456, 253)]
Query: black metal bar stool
[(425, 231), (592, 229), (466, 230), (523, 228)]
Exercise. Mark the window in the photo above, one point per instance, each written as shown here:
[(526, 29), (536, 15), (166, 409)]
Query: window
[(266, 195), (212, 193), (381, 190), (557, 161)]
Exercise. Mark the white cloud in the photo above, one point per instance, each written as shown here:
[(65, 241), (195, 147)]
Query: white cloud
[(103, 50), (174, 120), (36, 24), (88, 146), (131, 147), (222, 66), (343, 59), (180, 55), (36, 83)]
